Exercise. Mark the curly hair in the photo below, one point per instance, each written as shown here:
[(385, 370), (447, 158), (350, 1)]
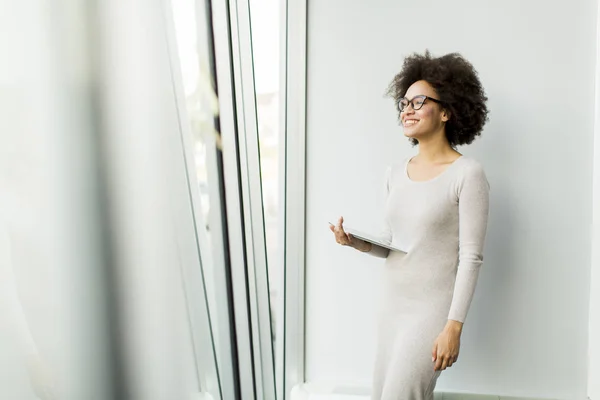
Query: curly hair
[(458, 87)]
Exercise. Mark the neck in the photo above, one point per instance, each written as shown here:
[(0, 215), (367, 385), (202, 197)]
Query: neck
[(435, 148)]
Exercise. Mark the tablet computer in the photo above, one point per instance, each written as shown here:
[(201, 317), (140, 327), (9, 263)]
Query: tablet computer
[(370, 238)]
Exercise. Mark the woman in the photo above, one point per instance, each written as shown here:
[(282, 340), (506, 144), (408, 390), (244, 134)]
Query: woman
[(436, 210)]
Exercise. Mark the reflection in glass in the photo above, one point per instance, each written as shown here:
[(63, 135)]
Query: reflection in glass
[(197, 119), (201, 102), (265, 48)]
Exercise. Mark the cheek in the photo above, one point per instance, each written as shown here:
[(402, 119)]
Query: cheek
[(429, 115), (425, 114)]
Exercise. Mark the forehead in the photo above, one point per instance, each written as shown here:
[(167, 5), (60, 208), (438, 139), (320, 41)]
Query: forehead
[(420, 87)]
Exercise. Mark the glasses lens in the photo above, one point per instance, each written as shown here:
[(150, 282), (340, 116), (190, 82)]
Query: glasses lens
[(418, 102), (402, 104)]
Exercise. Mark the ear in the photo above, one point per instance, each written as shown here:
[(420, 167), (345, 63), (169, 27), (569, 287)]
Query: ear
[(445, 115)]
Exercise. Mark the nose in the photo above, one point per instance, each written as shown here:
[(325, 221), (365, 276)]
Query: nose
[(408, 109)]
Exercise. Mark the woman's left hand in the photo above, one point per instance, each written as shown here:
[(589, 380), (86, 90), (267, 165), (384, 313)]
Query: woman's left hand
[(446, 346)]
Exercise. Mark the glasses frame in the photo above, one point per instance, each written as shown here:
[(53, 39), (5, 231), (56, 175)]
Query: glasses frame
[(412, 104)]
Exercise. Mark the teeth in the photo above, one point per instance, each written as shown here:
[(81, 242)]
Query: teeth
[(410, 122)]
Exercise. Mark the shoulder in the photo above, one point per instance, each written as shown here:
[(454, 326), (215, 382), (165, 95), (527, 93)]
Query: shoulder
[(398, 167), (470, 166), (392, 173), (473, 171), (395, 169)]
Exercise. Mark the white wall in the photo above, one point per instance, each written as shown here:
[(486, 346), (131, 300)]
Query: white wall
[(528, 327)]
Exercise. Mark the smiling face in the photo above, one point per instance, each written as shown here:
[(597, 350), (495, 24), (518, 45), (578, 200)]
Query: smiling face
[(427, 121)]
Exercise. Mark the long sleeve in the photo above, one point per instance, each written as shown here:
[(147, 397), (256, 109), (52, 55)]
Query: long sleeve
[(386, 232), (473, 207)]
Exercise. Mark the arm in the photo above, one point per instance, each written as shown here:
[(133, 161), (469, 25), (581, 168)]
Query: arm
[(473, 208), (376, 251)]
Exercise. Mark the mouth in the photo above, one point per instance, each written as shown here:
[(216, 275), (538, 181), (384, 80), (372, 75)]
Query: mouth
[(408, 123)]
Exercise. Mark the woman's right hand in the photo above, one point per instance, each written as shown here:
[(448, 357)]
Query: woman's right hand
[(346, 239)]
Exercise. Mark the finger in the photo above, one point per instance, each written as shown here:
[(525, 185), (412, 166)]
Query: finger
[(434, 352), (336, 231), (340, 238), (438, 362), (445, 363)]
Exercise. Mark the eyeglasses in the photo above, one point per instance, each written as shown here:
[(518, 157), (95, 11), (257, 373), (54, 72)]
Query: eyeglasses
[(416, 102)]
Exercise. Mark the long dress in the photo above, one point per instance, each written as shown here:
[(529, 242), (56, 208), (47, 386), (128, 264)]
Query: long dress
[(441, 224)]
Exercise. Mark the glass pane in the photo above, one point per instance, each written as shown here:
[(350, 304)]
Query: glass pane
[(265, 47), (198, 110), (200, 99), (265, 34)]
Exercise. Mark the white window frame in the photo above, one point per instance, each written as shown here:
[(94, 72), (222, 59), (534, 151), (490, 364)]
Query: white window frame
[(293, 122), (251, 191), (225, 59)]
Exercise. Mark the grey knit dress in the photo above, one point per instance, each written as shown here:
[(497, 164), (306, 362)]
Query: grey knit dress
[(441, 223)]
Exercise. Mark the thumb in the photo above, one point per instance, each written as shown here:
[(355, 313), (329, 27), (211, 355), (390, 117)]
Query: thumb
[(434, 351)]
